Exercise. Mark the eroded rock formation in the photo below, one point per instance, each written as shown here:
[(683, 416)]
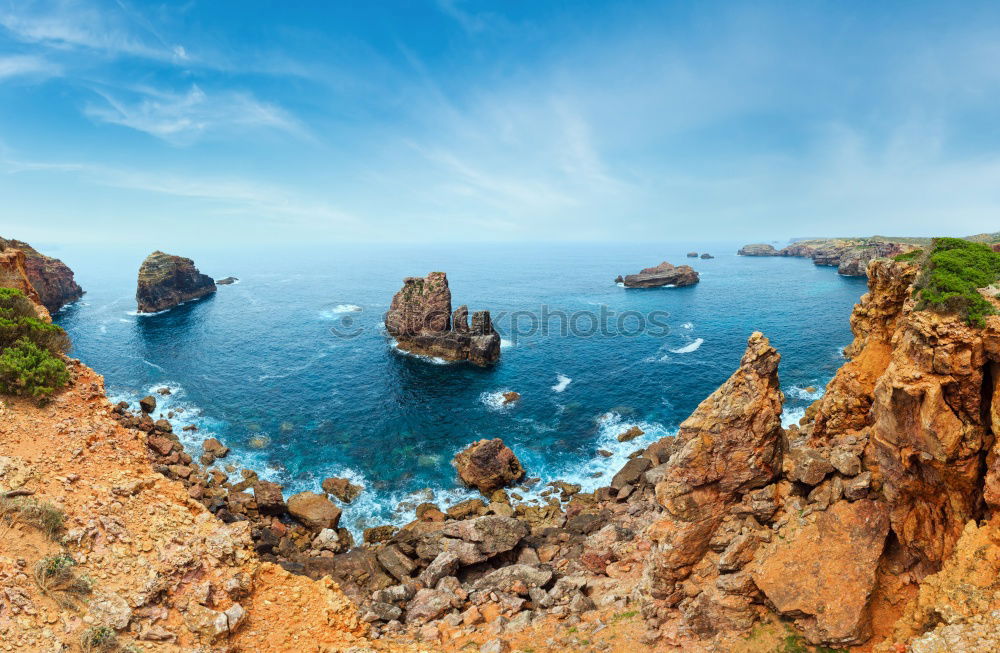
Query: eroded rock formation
[(166, 280), (850, 256), (663, 274), (421, 320), (51, 278), (14, 274)]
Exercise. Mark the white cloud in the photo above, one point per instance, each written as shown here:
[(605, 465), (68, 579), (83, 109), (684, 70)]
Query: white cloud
[(183, 118), (26, 66)]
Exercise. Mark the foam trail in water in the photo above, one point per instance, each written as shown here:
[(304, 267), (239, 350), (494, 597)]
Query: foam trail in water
[(505, 344), (495, 400), (562, 382), (340, 309), (688, 348)]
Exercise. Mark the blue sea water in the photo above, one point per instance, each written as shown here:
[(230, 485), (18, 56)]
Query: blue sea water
[(292, 369)]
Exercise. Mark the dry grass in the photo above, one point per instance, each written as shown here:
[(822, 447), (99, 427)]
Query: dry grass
[(31, 512), (56, 579)]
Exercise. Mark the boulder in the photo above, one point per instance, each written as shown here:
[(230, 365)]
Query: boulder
[(147, 404), (823, 573), (692, 254), (228, 281), (342, 489), (166, 281), (315, 511), (706, 255), (269, 498), (488, 465)]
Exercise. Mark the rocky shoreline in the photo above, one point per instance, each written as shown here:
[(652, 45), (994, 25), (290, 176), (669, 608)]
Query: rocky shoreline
[(850, 256), (858, 527)]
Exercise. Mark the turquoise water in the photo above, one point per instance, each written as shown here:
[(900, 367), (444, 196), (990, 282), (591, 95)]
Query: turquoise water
[(291, 368)]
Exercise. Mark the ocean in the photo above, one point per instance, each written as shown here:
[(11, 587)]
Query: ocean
[(292, 368)]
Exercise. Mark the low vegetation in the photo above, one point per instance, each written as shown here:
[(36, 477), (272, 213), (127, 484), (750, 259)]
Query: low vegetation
[(912, 255), (30, 349), (31, 512), (99, 639), (56, 578), (953, 272)]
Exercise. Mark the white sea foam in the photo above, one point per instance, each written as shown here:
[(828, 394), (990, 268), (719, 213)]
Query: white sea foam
[(806, 394), (687, 325), (505, 344), (620, 284), (495, 400), (791, 416), (688, 348), (563, 382), (340, 309), (430, 359)]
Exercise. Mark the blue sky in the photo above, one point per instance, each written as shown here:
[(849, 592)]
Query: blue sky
[(458, 120)]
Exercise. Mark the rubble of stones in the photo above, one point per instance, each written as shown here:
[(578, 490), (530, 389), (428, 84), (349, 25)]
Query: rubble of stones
[(489, 561)]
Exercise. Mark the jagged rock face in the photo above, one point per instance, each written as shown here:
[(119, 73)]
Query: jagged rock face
[(663, 274), (51, 278), (13, 274), (918, 395), (847, 401), (854, 260), (488, 465), (822, 572), (421, 321), (757, 249), (799, 250), (731, 445), (166, 280)]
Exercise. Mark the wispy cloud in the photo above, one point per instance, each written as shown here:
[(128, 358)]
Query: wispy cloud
[(229, 195), (27, 66), (185, 117), (67, 25)]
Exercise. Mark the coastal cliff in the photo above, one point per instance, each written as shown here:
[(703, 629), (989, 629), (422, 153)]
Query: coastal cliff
[(850, 256), (51, 278), (166, 280), (14, 274), (421, 320)]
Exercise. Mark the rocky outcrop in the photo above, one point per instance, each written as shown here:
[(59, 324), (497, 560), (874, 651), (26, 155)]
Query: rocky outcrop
[(729, 447), (228, 281), (706, 255), (13, 274), (757, 249), (421, 320), (692, 254), (488, 465), (51, 278), (166, 280), (663, 274), (850, 256)]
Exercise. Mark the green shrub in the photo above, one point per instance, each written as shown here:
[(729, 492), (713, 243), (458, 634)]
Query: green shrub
[(952, 275), (912, 255), (29, 370), (18, 320), (99, 638)]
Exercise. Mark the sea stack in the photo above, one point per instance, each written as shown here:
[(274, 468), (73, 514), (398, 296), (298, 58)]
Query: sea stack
[(663, 274), (758, 249), (166, 280), (51, 278), (421, 320)]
